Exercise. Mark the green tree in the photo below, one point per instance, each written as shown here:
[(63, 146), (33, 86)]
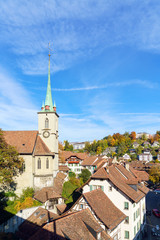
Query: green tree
[(139, 150), (85, 175), (87, 147), (122, 149), (67, 146), (10, 162)]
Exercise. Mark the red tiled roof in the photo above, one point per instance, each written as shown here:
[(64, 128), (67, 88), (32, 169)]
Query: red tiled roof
[(104, 209), (63, 168), (23, 141), (46, 193), (32, 224), (78, 225), (89, 161), (41, 148), (116, 176), (61, 207)]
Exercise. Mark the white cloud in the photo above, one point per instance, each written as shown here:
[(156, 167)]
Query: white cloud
[(16, 109), (77, 29)]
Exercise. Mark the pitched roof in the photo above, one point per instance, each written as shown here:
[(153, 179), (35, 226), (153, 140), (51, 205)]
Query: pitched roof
[(51, 192), (33, 223), (104, 209), (41, 148), (23, 141), (63, 168), (27, 142), (78, 225), (61, 207), (89, 161), (121, 179), (46, 193)]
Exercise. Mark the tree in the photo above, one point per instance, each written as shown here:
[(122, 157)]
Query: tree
[(154, 174), (133, 135), (122, 149), (67, 146), (85, 175), (10, 163), (99, 150)]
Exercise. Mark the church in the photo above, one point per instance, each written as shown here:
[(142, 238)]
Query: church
[(39, 149)]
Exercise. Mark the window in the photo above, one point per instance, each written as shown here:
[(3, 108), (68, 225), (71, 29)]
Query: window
[(126, 235), (127, 220), (134, 205), (138, 211), (47, 163), (39, 163), (47, 123), (134, 216), (134, 230), (126, 205), (110, 188), (81, 206)]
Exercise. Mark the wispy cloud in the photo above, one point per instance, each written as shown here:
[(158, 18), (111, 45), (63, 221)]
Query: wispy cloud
[(16, 109), (78, 29)]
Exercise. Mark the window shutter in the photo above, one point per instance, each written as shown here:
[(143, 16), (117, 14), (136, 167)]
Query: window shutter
[(102, 187), (90, 187)]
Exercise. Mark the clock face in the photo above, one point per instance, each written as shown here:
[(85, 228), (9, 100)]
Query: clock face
[(46, 134)]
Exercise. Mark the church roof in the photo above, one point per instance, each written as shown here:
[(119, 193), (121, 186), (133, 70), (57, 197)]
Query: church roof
[(27, 142), (23, 141), (41, 148)]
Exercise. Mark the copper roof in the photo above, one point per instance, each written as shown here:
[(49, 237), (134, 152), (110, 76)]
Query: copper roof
[(104, 209)]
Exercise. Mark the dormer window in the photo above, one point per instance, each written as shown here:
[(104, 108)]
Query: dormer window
[(47, 123)]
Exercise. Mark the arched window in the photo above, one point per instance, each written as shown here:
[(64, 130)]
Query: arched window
[(47, 123), (47, 163), (39, 163)]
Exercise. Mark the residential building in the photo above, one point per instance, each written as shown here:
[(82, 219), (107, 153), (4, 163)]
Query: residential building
[(155, 144), (77, 225), (39, 149), (126, 157), (126, 189), (135, 144), (139, 135), (145, 156), (93, 162), (110, 218)]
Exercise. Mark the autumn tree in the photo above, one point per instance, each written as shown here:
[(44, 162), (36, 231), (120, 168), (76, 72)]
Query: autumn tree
[(85, 175), (10, 162), (154, 174), (133, 135)]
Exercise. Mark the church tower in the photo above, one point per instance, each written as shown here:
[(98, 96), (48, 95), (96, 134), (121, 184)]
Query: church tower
[(48, 123)]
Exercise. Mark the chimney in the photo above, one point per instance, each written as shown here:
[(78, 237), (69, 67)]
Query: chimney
[(126, 165)]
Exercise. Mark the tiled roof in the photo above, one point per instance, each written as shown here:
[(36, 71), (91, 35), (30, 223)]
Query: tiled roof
[(104, 209), (41, 148), (51, 192), (27, 142), (61, 207), (66, 154), (23, 141), (121, 180), (46, 193), (75, 226), (63, 168), (61, 175), (89, 161), (32, 224)]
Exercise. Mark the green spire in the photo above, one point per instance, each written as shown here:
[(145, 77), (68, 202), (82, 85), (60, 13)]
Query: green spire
[(48, 101)]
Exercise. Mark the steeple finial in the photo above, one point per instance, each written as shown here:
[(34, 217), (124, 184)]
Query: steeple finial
[(48, 102)]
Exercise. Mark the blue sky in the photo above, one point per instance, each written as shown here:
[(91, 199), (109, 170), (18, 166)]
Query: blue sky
[(105, 65)]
